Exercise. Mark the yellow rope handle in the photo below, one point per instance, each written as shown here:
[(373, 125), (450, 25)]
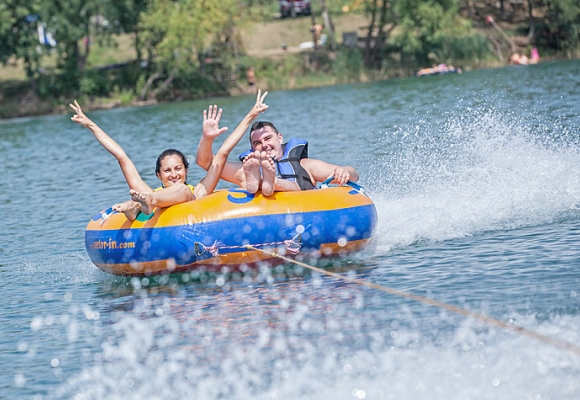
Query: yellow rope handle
[(458, 310)]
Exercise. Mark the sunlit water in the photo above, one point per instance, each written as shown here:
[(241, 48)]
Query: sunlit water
[(476, 179)]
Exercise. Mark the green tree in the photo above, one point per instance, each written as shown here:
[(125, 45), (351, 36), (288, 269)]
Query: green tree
[(177, 36), (78, 22), (560, 29), (74, 24), (18, 33), (383, 21), (423, 31), (127, 16), (427, 28)]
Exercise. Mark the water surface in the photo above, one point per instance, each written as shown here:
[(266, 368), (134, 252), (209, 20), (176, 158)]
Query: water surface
[(476, 180)]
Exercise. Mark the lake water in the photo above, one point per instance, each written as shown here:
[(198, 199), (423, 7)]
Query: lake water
[(476, 180)]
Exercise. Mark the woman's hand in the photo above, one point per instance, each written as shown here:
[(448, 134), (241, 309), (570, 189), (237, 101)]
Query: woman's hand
[(80, 117), (259, 107)]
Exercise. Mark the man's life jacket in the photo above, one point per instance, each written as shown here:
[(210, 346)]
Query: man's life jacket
[(288, 167)]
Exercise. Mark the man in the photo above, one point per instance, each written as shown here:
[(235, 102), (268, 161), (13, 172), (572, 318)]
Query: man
[(271, 165), (251, 79)]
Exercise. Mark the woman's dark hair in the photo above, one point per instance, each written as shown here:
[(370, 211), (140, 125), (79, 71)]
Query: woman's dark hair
[(170, 152), (259, 125)]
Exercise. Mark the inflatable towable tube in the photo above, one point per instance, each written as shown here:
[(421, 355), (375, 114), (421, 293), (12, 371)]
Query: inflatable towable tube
[(213, 232)]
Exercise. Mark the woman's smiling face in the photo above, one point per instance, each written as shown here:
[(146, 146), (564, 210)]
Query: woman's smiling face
[(172, 170)]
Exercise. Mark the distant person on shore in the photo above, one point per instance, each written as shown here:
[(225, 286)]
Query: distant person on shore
[(534, 56), (518, 59), (251, 79), (440, 69), (515, 59), (272, 165), (316, 31), (172, 166)]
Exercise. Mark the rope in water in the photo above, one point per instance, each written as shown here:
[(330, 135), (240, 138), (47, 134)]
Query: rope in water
[(458, 310)]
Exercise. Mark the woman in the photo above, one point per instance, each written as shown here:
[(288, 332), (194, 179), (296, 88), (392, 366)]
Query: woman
[(171, 167)]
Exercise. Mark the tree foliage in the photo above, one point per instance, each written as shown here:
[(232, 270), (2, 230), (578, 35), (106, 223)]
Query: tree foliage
[(185, 39), (428, 29), (181, 35), (383, 21), (18, 33), (79, 22), (421, 30), (74, 24), (561, 26)]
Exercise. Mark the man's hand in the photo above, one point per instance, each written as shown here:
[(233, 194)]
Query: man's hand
[(211, 120), (341, 175)]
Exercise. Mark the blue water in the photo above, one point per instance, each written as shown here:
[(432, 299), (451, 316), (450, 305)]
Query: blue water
[(476, 180)]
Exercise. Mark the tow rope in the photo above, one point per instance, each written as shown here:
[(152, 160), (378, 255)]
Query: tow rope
[(562, 344)]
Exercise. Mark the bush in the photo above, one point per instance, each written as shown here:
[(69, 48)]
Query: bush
[(95, 83), (54, 86), (349, 65), (474, 48)]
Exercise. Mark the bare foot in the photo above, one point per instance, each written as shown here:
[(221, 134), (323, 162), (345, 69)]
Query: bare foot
[(251, 165), (130, 208), (145, 199), (268, 174)]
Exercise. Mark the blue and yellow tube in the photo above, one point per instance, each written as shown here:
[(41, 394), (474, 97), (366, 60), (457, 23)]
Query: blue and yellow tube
[(213, 232)]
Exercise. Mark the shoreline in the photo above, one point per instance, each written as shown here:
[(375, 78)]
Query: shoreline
[(28, 106)]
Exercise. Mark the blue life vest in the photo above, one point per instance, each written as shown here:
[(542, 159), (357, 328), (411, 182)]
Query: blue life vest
[(288, 167)]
